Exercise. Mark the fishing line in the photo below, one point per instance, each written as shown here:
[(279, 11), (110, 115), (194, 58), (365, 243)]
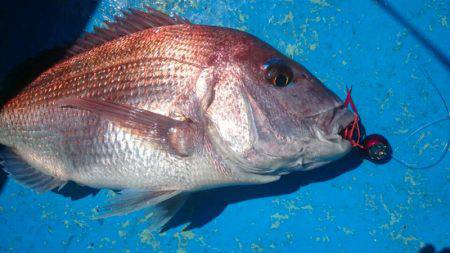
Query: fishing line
[(419, 129)]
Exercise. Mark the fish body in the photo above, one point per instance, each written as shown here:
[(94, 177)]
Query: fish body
[(155, 70), (158, 107)]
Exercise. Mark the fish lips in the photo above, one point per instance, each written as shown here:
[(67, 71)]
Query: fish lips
[(327, 145), (333, 121)]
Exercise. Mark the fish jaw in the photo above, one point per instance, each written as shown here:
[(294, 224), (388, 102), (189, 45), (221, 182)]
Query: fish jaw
[(325, 145), (320, 145)]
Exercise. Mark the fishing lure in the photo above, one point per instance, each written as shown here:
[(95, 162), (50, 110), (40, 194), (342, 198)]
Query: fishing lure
[(375, 147)]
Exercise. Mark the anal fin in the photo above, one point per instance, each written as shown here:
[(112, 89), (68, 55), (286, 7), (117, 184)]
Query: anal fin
[(25, 174), (160, 205)]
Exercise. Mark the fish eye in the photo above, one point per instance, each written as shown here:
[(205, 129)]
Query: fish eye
[(278, 73)]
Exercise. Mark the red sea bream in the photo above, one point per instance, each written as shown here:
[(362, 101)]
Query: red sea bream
[(158, 108)]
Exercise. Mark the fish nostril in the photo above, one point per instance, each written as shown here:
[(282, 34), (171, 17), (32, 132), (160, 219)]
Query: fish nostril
[(305, 76)]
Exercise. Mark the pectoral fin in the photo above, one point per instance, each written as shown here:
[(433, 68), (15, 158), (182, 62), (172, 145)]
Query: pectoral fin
[(175, 135)]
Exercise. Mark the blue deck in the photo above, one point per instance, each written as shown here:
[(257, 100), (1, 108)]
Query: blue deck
[(385, 51)]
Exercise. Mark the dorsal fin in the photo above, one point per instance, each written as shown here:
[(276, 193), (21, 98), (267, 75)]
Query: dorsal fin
[(133, 21)]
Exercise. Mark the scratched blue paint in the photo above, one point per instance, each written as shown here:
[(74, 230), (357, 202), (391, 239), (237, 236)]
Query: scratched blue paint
[(343, 208)]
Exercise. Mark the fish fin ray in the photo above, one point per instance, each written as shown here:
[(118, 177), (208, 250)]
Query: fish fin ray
[(25, 174), (162, 205), (163, 212), (133, 20), (176, 136)]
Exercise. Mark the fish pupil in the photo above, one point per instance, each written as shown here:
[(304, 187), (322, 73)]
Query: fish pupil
[(278, 72), (281, 80)]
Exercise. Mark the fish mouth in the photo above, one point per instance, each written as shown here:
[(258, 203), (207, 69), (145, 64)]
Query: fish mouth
[(344, 123), (329, 144), (341, 119)]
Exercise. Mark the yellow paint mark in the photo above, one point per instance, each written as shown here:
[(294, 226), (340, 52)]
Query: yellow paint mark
[(239, 243), (290, 206), (275, 224), (386, 98), (289, 17), (183, 238), (147, 237), (289, 236), (243, 17), (329, 216), (122, 233), (409, 178), (444, 22), (312, 47), (394, 217), (279, 216), (322, 3), (420, 138), (405, 239), (242, 28), (291, 50), (125, 224), (80, 224), (188, 235), (424, 148), (45, 214), (322, 238), (104, 241), (257, 248), (346, 230), (401, 131), (307, 207)]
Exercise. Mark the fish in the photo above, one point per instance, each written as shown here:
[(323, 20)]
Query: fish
[(156, 107)]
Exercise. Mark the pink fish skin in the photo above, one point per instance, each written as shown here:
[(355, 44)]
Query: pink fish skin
[(159, 107)]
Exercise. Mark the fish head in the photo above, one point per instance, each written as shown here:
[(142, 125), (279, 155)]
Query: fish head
[(270, 114)]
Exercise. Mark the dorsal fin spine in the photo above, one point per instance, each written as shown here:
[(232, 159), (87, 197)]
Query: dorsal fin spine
[(132, 21)]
